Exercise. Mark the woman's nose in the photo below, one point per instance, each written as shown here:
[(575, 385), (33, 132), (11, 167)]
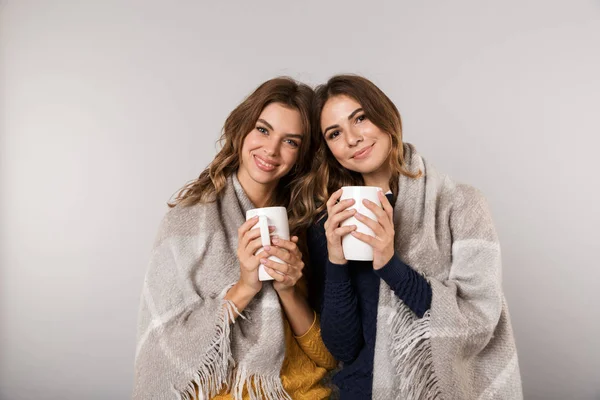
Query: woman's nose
[(272, 148), (354, 137)]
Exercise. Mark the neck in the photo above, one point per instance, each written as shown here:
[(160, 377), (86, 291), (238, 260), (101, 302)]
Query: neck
[(379, 178), (258, 193)]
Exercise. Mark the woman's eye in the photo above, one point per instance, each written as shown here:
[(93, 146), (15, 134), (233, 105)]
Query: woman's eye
[(361, 118), (334, 134), (262, 130), (292, 143)]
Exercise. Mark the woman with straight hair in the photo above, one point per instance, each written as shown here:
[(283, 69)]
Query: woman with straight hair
[(208, 327), (426, 318)]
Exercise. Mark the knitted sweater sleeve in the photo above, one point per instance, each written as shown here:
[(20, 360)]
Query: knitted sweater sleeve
[(332, 295), (410, 286), (341, 326), (312, 345)]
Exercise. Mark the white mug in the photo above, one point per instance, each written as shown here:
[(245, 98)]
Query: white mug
[(274, 216), (353, 248)]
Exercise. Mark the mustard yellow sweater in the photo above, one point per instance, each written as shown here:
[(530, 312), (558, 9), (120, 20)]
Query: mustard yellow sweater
[(306, 362)]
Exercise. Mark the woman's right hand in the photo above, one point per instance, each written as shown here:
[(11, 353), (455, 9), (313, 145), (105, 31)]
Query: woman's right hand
[(248, 244), (337, 213)]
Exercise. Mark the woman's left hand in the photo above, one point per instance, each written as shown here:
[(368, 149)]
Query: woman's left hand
[(286, 275), (383, 227)]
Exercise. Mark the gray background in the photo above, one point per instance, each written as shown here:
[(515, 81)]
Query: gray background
[(108, 107)]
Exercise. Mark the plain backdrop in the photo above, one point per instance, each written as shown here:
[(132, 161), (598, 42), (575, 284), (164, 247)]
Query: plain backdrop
[(108, 107)]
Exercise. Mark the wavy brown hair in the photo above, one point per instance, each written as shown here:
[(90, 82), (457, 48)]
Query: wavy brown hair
[(327, 174), (242, 120)]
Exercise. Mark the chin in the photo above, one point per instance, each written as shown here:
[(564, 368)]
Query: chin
[(264, 178), (367, 167)]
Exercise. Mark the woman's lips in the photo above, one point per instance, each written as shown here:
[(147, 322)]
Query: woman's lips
[(363, 153), (264, 164)]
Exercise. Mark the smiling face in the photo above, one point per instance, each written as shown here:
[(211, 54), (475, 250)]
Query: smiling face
[(356, 143), (271, 149)]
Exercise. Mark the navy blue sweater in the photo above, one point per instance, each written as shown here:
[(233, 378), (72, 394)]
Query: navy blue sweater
[(347, 297)]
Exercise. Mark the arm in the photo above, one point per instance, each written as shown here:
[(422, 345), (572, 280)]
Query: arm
[(291, 289), (410, 286), (313, 346), (178, 319), (334, 297), (341, 327), (287, 278), (471, 299), (299, 314), (240, 295), (244, 290), (305, 326)]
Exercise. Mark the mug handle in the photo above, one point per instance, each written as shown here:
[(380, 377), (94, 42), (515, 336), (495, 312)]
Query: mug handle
[(265, 238), (263, 224)]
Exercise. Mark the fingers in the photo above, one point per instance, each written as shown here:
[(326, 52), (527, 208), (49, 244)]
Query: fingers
[(371, 223), (339, 207), (387, 206), (282, 268), (252, 234), (368, 239), (381, 215), (284, 273), (246, 226), (376, 209), (282, 254), (344, 230), (337, 219), (298, 253), (249, 236), (277, 276), (253, 246), (333, 206), (333, 199), (289, 245)]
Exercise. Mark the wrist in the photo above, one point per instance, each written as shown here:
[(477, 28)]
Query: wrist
[(337, 272), (244, 290), (240, 295), (338, 261), (382, 261), (285, 291)]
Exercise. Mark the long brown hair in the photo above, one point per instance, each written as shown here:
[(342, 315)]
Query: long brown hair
[(242, 120), (327, 174)]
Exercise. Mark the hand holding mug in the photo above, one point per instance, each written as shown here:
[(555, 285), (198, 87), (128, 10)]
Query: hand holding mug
[(288, 273), (249, 241), (337, 213), (270, 221), (383, 229)]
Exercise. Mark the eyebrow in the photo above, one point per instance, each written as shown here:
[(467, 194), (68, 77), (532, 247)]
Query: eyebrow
[(290, 135), (266, 123), (352, 114)]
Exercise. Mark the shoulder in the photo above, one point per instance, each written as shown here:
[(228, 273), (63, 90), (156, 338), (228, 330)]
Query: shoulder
[(467, 207), (470, 213), (447, 192), (185, 220), (450, 192), (467, 196)]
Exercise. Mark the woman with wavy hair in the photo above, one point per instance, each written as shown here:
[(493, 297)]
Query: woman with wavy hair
[(427, 318), (208, 327)]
